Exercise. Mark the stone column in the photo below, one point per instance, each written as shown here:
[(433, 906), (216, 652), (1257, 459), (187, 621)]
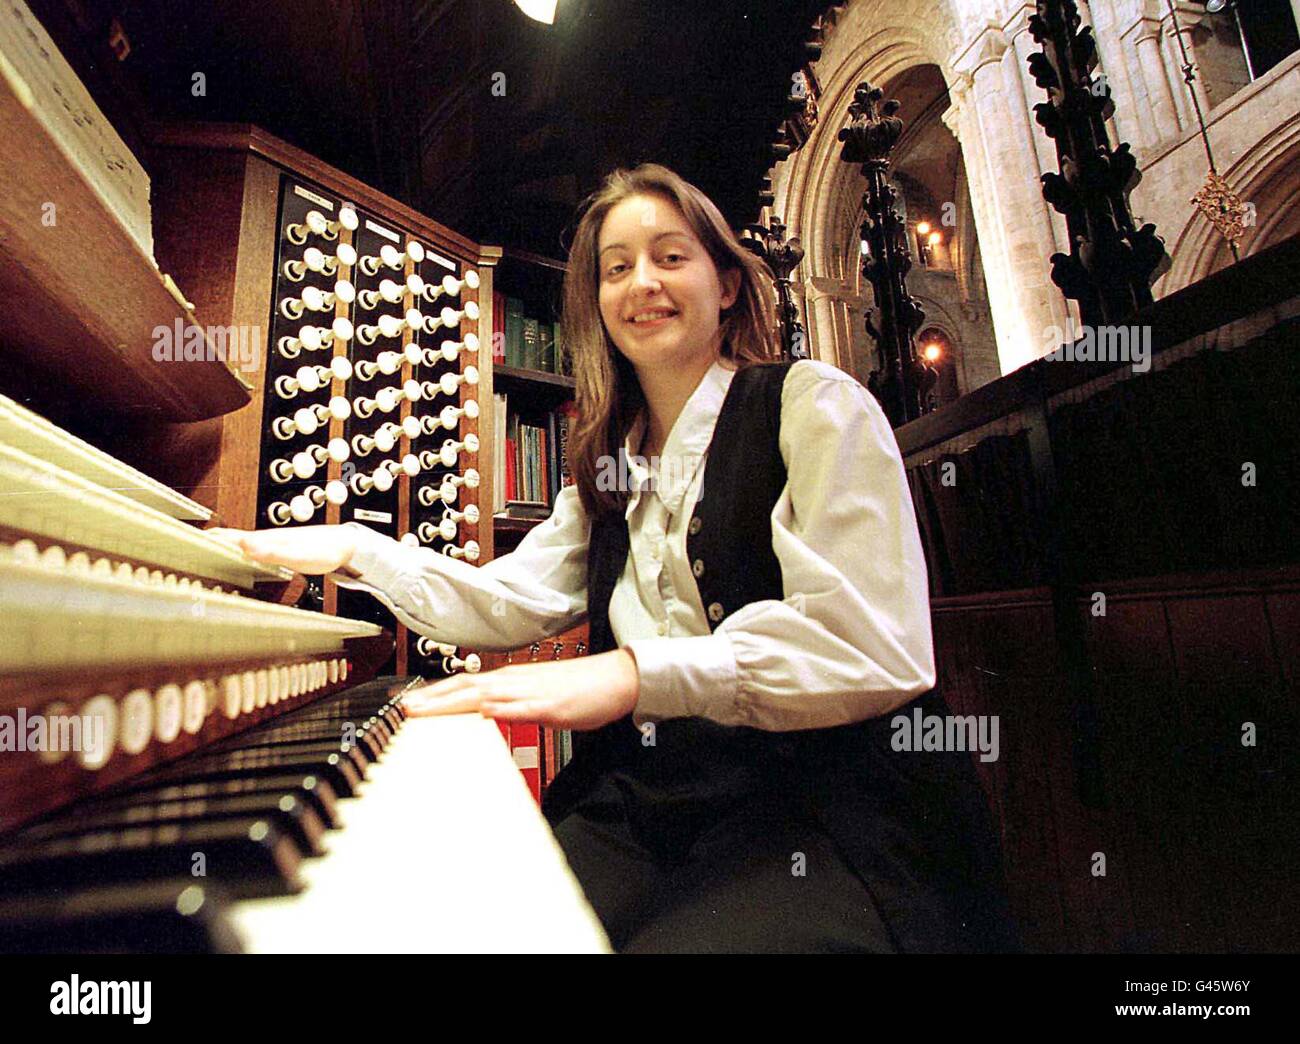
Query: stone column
[(824, 342), (1188, 19), (1128, 124), (1144, 35), (1004, 172), (1022, 46)]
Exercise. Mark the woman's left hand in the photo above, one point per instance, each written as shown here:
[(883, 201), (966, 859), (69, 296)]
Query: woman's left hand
[(583, 693)]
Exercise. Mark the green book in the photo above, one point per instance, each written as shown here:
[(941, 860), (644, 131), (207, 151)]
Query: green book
[(532, 344), (514, 332)]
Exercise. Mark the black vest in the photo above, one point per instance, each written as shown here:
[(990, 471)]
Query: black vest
[(912, 825)]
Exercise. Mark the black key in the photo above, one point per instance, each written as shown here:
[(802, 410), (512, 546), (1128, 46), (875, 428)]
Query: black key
[(284, 739), (338, 719), (250, 857), (254, 748), (336, 769), (168, 916), (313, 789), (292, 815)]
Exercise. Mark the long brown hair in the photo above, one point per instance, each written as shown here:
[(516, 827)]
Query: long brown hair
[(609, 395)]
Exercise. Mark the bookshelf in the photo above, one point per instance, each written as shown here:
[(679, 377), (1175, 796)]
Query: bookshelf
[(532, 395), (535, 395)]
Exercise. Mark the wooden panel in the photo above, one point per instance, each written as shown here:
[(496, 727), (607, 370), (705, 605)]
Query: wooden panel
[(82, 299), (1195, 828)]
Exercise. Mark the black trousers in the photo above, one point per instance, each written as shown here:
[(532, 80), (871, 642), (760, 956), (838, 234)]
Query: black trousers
[(757, 877)]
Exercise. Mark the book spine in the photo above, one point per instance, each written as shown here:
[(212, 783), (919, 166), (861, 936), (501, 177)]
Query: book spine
[(498, 328), (543, 467), (514, 332), (546, 333), (532, 344), (564, 420), (552, 458)]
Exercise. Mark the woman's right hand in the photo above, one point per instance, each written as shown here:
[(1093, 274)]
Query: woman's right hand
[(306, 549)]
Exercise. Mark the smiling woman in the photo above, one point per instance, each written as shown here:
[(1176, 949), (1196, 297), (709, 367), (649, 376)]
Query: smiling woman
[(758, 609)]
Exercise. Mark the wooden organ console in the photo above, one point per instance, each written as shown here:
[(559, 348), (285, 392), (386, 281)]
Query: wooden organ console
[(186, 731)]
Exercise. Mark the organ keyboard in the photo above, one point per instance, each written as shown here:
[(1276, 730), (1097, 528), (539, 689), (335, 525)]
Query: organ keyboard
[(187, 767)]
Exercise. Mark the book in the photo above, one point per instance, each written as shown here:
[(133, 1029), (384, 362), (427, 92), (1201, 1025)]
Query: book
[(526, 509), (546, 332), (514, 331), (32, 67), (564, 418), (543, 467), (552, 458), (498, 328), (532, 342), (501, 409)]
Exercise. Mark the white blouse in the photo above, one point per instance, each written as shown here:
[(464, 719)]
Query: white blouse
[(850, 640)]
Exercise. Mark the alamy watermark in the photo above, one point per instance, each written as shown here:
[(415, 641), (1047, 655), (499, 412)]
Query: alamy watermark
[(1128, 344), (72, 996), (946, 732), (41, 733), (615, 474), (187, 342)]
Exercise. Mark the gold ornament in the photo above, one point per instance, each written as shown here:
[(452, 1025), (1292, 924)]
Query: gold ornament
[(1222, 207)]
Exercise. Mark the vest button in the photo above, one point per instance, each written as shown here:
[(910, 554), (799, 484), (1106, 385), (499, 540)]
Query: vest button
[(715, 611), (695, 526), (697, 567)]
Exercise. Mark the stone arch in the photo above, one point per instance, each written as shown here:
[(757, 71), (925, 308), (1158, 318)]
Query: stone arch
[(818, 196)]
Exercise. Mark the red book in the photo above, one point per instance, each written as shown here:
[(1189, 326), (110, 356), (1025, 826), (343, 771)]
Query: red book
[(498, 328)]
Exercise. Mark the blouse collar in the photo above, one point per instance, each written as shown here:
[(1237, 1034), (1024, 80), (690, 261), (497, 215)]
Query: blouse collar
[(687, 442)]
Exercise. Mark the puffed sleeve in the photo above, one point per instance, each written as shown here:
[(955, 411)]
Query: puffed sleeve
[(851, 640), (535, 591)]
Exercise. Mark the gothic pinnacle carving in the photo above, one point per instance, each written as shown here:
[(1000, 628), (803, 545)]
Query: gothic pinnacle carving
[(1111, 263), (903, 382)]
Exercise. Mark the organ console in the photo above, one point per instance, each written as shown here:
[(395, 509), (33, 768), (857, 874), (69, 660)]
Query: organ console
[(181, 730)]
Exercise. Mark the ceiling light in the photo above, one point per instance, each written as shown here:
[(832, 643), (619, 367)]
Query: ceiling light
[(539, 10)]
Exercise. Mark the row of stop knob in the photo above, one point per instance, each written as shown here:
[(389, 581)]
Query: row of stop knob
[(314, 299), (318, 262), (318, 338), (308, 419), (304, 506), (305, 463), (317, 224), (312, 378)]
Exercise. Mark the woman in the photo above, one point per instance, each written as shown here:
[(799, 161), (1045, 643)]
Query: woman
[(741, 539)]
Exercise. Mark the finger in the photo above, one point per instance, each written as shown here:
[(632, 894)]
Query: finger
[(465, 702), (441, 688), (522, 710), (256, 546), (445, 689)]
